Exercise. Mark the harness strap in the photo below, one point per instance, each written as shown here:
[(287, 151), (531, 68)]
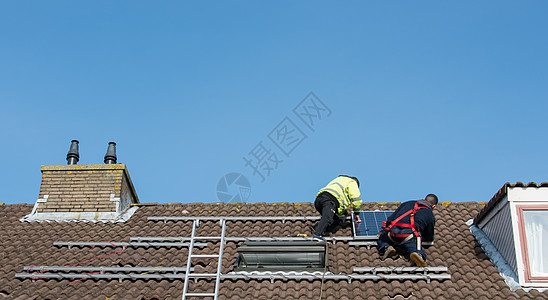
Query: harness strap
[(399, 218), (412, 220), (407, 238), (413, 227)]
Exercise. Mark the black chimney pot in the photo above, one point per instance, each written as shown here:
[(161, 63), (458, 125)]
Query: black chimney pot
[(72, 155), (110, 157)]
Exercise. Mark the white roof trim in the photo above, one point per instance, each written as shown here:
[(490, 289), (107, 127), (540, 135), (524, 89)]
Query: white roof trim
[(528, 194), (105, 217)]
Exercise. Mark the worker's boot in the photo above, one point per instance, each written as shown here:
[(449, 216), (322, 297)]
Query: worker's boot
[(318, 238), (417, 259), (389, 252)]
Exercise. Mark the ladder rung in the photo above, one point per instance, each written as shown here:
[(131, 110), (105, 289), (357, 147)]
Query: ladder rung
[(202, 275), (207, 237), (206, 255), (200, 294)]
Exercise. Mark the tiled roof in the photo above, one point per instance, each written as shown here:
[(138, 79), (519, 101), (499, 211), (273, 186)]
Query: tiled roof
[(502, 193), (23, 244)]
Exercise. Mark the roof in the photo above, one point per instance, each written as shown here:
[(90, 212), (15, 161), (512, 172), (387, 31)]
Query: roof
[(24, 244), (501, 194)]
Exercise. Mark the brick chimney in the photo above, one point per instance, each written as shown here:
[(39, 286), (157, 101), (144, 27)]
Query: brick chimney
[(93, 192)]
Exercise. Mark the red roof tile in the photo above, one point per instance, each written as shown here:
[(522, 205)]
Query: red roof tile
[(23, 244)]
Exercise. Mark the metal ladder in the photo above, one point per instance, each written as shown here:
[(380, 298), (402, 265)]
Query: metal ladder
[(188, 275)]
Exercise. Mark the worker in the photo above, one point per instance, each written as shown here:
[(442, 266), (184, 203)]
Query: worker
[(411, 224), (335, 200)]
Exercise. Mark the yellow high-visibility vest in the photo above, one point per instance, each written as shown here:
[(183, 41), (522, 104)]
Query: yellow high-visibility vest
[(346, 190)]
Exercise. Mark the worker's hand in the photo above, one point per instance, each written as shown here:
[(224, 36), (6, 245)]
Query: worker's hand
[(357, 218)]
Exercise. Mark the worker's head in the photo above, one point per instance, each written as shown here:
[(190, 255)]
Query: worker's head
[(355, 178), (432, 199)]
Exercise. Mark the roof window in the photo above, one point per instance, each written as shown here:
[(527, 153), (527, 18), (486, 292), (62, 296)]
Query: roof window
[(306, 256)]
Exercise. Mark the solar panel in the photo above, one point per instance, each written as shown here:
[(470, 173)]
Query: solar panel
[(371, 223)]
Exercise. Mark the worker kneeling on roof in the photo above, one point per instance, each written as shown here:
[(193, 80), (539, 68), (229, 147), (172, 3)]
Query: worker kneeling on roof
[(412, 223), (333, 200)]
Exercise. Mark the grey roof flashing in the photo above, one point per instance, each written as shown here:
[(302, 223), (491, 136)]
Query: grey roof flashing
[(105, 217), (496, 258)]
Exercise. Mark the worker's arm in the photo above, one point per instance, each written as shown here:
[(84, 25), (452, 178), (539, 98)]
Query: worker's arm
[(353, 193), (427, 221), (429, 237)]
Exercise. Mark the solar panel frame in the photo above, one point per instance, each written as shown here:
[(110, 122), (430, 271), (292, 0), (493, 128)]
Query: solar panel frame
[(371, 223)]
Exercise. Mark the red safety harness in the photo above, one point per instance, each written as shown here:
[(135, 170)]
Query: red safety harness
[(406, 237)]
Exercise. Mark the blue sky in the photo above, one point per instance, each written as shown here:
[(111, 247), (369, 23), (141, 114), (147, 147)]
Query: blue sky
[(423, 97)]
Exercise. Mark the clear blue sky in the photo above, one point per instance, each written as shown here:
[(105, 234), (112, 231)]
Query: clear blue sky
[(424, 96)]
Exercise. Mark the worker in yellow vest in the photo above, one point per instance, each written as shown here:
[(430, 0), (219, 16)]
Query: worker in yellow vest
[(334, 200)]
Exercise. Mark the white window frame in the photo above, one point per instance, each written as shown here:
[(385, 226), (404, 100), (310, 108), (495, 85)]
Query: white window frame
[(525, 199), (528, 277)]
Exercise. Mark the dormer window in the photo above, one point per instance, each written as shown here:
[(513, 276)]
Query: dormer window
[(516, 222)]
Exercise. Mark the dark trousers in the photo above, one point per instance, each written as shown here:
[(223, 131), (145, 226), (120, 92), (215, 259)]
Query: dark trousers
[(407, 248), (326, 204)]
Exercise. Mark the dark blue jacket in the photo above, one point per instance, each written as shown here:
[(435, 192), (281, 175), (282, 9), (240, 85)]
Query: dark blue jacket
[(424, 219)]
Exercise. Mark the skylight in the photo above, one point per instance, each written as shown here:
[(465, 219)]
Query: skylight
[(282, 256)]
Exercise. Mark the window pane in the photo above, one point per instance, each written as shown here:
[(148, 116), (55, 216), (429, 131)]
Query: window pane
[(290, 260), (282, 255), (536, 231)]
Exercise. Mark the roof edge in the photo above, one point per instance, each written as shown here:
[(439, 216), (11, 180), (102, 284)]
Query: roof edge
[(501, 193)]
